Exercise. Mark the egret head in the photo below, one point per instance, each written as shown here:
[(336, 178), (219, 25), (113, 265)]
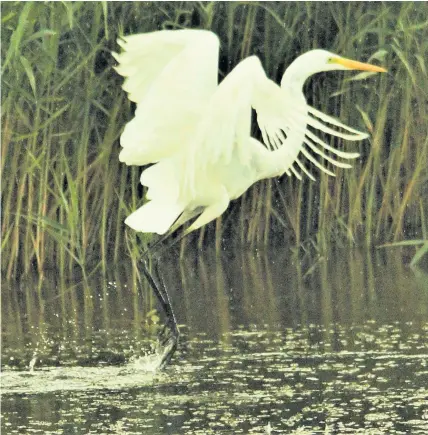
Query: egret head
[(316, 61), (330, 61)]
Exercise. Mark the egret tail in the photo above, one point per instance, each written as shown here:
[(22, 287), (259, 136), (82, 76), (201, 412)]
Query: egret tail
[(154, 217)]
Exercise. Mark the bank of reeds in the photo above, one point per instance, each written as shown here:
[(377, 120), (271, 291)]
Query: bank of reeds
[(65, 195)]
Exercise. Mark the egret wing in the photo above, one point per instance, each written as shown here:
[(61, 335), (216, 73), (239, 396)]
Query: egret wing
[(171, 75), (286, 121), (222, 133)]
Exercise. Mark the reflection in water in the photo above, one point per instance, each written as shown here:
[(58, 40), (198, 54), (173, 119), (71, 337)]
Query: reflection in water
[(333, 344), (244, 288)]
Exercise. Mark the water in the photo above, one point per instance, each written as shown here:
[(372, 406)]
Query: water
[(270, 344)]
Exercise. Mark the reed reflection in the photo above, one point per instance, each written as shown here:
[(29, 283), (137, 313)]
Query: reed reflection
[(111, 318)]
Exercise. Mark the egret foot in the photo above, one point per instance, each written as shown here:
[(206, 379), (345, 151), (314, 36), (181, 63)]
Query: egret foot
[(167, 344)]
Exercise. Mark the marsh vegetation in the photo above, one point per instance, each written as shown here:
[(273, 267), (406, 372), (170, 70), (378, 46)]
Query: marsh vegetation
[(65, 194)]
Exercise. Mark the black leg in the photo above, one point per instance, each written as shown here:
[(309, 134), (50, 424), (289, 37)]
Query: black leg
[(168, 337), (156, 248)]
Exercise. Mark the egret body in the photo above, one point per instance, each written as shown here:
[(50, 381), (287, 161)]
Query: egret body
[(196, 132)]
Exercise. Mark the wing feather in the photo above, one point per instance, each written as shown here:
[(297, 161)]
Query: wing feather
[(284, 122), (171, 75), (336, 122)]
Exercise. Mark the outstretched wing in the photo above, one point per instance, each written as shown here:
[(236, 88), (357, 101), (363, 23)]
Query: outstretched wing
[(285, 121), (171, 75), (293, 122)]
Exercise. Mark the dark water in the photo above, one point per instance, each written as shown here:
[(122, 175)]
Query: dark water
[(271, 344)]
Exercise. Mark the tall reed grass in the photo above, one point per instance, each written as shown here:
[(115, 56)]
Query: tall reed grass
[(65, 195)]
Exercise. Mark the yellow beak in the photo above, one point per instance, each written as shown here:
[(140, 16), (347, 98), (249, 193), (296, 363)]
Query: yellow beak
[(353, 64)]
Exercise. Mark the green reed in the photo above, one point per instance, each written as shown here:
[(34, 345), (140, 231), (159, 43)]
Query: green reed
[(65, 194)]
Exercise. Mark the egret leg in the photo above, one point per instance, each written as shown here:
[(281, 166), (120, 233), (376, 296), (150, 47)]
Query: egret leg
[(169, 335), (168, 342), (155, 246), (156, 249)]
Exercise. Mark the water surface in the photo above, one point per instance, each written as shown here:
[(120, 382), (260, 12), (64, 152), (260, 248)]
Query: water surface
[(271, 343)]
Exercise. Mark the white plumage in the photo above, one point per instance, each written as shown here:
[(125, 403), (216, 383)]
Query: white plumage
[(197, 132)]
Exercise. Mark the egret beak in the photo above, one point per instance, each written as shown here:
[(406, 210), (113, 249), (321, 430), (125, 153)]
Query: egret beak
[(355, 65)]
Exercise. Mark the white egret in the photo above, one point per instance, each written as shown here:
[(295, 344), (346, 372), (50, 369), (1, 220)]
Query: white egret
[(196, 132)]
